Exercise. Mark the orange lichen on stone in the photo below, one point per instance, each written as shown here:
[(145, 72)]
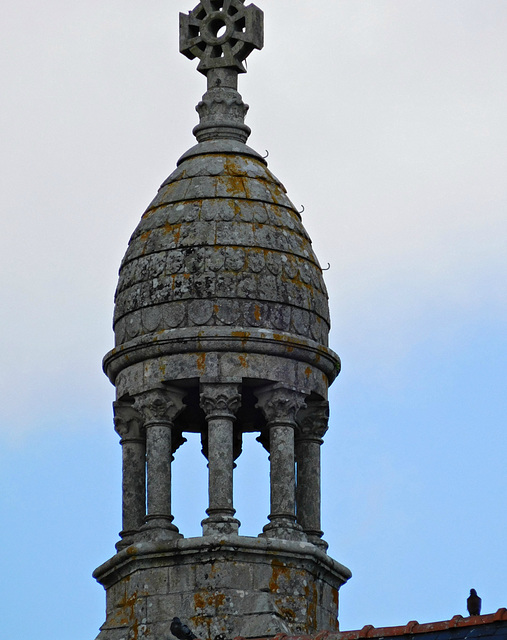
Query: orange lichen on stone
[(125, 615), (244, 335), (201, 363), (215, 600), (278, 570)]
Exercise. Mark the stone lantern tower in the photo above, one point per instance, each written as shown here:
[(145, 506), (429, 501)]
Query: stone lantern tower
[(221, 325)]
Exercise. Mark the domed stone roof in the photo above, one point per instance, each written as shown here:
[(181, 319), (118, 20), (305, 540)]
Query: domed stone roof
[(221, 245), (220, 262)]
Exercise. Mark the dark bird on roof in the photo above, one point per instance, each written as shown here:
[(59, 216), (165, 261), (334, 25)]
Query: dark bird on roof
[(181, 631), (474, 603)]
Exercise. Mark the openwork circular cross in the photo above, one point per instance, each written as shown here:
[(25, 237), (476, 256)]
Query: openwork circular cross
[(221, 33)]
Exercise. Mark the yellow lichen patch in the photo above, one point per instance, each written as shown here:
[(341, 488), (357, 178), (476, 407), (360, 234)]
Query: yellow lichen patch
[(244, 335), (243, 361), (125, 616), (175, 229), (278, 571), (233, 167), (236, 207), (257, 313), (199, 601), (202, 621), (201, 363), (233, 185), (287, 613), (215, 600), (281, 338), (308, 372)]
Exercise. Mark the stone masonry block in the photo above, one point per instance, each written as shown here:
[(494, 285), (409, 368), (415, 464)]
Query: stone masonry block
[(269, 622), (163, 608), (262, 574), (223, 575), (116, 595), (182, 578)]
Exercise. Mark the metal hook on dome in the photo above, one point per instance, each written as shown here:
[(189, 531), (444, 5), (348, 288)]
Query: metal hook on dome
[(267, 154), (328, 267), (302, 209)]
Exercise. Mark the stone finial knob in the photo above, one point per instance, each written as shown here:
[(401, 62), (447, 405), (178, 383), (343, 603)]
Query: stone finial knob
[(221, 33)]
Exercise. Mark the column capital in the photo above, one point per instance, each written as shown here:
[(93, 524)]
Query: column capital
[(313, 421), (161, 405), (220, 400), (127, 421), (280, 405)]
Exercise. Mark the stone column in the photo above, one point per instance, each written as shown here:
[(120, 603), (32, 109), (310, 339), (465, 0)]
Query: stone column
[(159, 408), (313, 424), (280, 406), (220, 403), (128, 423)]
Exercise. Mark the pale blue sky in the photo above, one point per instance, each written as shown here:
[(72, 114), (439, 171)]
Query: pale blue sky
[(386, 120)]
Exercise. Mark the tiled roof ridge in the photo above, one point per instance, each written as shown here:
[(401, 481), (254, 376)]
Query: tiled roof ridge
[(412, 627)]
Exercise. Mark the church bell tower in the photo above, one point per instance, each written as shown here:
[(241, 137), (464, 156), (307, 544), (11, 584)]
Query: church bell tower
[(221, 328)]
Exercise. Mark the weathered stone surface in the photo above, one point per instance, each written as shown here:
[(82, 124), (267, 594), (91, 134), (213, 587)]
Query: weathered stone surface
[(221, 328), (233, 585), (232, 234)]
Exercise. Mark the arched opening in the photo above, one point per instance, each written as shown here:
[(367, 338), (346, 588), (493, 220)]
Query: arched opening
[(189, 486), (251, 486)]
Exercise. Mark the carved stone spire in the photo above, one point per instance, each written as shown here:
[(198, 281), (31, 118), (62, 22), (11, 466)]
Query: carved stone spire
[(222, 34)]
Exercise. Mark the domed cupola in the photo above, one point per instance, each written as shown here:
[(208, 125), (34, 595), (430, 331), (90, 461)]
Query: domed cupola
[(221, 249), (221, 328)]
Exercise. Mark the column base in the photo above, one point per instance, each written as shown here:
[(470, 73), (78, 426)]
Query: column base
[(126, 539), (318, 542), (158, 528), (283, 528), (315, 537), (220, 525)]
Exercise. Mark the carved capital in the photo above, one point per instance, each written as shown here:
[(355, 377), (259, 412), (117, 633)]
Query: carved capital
[(127, 421), (161, 405), (313, 421), (220, 400), (280, 405)]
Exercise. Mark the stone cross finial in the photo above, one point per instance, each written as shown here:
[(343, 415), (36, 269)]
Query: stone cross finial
[(221, 33)]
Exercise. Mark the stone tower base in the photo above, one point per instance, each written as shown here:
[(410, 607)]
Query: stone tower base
[(235, 585)]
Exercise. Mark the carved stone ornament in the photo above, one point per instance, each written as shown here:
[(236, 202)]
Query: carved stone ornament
[(127, 421), (160, 405), (313, 421), (221, 33), (280, 405), (220, 400)]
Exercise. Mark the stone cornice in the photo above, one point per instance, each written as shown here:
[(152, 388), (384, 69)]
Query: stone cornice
[(221, 339), (152, 554)]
